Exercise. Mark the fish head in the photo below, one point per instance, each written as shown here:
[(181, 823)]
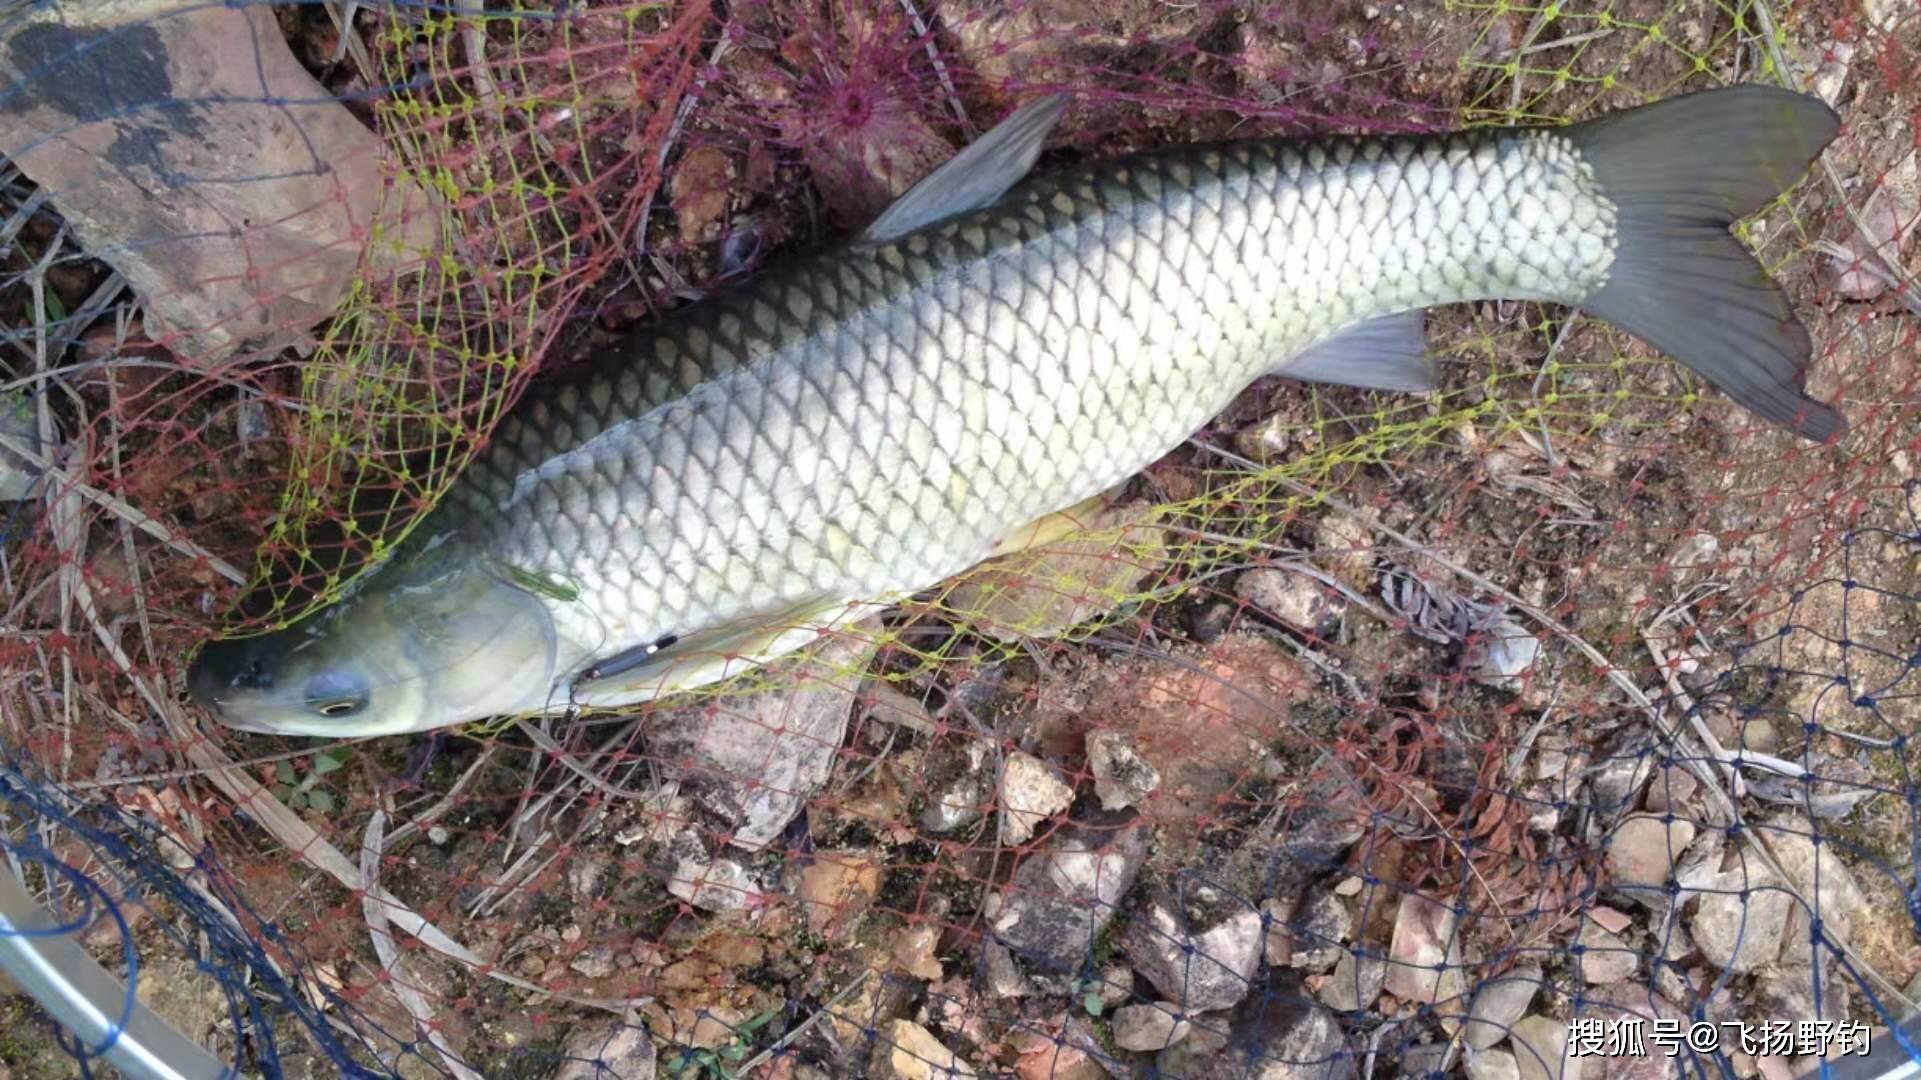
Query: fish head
[(423, 645)]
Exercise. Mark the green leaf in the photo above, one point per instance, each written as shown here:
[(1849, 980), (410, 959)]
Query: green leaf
[(51, 305), (283, 771), (329, 760), (1092, 1002), (548, 585), (324, 802)]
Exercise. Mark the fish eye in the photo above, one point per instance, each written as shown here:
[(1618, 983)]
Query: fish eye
[(334, 694)]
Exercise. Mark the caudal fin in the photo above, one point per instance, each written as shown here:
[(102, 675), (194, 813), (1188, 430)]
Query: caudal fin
[(1680, 172)]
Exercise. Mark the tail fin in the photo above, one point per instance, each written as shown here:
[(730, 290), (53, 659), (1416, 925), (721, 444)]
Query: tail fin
[(1680, 172)]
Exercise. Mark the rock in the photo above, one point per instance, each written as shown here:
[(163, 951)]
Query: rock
[(915, 952), (1888, 15), (1328, 822), (606, 1051), (960, 786), (1427, 1061), (1210, 1032), (1492, 1064), (1097, 1062), (1888, 217), (1614, 922), (1355, 983), (1756, 733), (1618, 774), (1346, 547), (1061, 897), (1498, 1003), (1547, 804), (699, 192), (1318, 932), (1786, 993), (1541, 1050), (1273, 1035), (1550, 756), (1821, 877), (1502, 656), (1424, 962), (837, 886), (907, 1051), (1115, 985), (1605, 958), (1207, 621), (1004, 978), (1742, 917), (1029, 794), (1831, 75), (1307, 1043), (1641, 855), (1611, 1005), (1075, 1053), (754, 760), (954, 1007), (594, 962), (1280, 941), (1269, 440), (1081, 565), (1670, 982), (1242, 685), (1200, 949), (585, 874), (1673, 786), (1122, 777), (1293, 598), (241, 195), (1702, 861), (708, 882), (1149, 1027)]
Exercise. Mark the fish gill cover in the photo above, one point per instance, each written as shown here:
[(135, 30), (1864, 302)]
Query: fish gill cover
[(1364, 733)]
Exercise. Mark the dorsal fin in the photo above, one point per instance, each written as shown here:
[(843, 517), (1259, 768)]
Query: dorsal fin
[(976, 176)]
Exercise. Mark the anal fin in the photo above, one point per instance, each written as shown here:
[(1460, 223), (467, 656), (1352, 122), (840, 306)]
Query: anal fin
[(1384, 353)]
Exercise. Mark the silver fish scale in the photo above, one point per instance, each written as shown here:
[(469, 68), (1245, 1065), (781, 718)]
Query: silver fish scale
[(872, 420)]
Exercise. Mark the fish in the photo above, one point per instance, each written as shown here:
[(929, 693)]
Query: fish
[(769, 464)]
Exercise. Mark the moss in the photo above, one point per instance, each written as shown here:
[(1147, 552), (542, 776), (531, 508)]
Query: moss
[(27, 1043)]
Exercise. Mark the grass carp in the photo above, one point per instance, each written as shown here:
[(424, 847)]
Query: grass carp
[(776, 460)]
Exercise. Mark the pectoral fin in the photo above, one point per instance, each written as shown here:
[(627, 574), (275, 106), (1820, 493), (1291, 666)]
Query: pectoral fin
[(1387, 353), (645, 672)]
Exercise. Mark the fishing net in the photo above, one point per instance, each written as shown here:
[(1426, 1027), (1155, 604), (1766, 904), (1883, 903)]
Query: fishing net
[(1537, 726)]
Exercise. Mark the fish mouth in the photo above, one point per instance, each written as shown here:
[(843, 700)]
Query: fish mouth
[(204, 685), (225, 666)]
